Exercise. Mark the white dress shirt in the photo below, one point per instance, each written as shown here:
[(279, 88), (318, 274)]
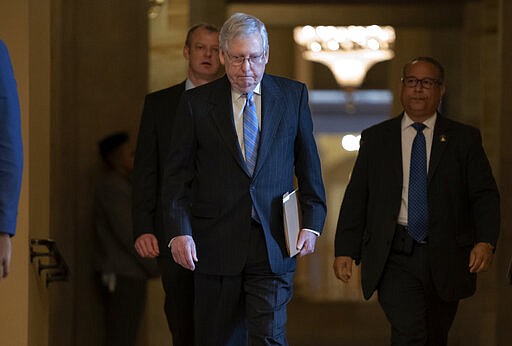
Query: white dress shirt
[(408, 134), (238, 113)]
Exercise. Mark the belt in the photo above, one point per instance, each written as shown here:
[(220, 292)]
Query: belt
[(406, 230), (403, 242)]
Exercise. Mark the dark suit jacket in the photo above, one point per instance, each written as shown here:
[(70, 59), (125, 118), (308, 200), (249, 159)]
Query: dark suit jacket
[(462, 195), (11, 151), (152, 149), (209, 190)]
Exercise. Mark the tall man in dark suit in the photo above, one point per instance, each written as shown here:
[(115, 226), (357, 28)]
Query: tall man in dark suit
[(421, 234), (11, 158), (237, 144), (202, 52)]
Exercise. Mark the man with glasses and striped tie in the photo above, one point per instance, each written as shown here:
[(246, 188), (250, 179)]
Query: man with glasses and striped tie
[(421, 212), (238, 144)]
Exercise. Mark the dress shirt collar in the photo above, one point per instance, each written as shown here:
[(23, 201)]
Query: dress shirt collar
[(429, 123), (189, 84), (235, 95)]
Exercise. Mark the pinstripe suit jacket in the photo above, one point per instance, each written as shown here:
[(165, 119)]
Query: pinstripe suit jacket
[(152, 149), (208, 189)]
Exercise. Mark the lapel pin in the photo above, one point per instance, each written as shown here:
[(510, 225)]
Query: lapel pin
[(442, 138)]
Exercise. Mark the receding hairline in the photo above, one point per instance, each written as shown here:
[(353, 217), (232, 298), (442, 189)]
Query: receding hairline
[(206, 26), (434, 62)]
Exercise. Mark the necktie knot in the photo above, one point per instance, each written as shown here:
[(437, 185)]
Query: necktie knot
[(248, 97), (419, 127)]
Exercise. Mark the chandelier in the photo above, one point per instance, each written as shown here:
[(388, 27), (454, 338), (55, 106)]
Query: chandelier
[(348, 51), (154, 8)]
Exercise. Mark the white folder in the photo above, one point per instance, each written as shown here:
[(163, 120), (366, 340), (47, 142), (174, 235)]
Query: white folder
[(291, 222)]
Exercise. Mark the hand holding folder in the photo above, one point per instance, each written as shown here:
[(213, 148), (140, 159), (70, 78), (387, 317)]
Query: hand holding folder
[(291, 222)]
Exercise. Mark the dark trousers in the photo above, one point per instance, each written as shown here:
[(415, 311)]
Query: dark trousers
[(178, 284), (417, 314), (244, 309), (124, 309)]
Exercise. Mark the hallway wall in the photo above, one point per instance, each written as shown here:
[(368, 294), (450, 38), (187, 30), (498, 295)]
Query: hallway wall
[(14, 291), (82, 70), (99, 79)]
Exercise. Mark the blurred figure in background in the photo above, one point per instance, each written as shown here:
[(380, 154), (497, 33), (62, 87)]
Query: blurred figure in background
[(124, 274)]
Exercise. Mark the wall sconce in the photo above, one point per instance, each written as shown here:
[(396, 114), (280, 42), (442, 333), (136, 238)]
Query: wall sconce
[(348, 51)]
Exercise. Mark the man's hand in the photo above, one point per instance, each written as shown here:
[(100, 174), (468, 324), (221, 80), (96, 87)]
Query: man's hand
[(306, 242), (147, 245), (5, 254), (480, 258), (183, 251), (343, 268)]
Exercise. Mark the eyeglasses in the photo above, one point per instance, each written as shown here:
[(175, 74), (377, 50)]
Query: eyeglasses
[(239, 60), (426, 83)]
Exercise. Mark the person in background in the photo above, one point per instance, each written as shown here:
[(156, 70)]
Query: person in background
[(421, 212), (201, 50), (124, 274), (11, 158), (237, 145)]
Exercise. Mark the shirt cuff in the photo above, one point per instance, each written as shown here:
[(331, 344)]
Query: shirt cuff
[(309, 230)]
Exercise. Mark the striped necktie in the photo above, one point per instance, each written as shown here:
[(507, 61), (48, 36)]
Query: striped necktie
[(251, 132)]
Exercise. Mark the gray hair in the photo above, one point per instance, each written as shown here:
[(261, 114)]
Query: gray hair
[(241, 24)]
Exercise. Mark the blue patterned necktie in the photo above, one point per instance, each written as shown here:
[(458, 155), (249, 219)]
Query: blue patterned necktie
[(417, 222), (251, 132)]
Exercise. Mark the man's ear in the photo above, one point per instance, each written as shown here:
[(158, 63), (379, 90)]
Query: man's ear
[(186, 52), (221, 57)]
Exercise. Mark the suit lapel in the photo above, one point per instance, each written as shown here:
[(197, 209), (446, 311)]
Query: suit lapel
[(439, 141), (272, 111), (222, 114), (394, 151)]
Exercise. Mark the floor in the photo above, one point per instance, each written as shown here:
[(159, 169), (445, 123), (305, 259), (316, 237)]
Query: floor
[(314, 323), (336, 323)]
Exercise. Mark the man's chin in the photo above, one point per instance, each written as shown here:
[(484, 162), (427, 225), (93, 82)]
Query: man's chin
[(207, 69)]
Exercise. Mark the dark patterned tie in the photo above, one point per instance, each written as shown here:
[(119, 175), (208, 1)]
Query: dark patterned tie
[(417, 222), (251, 132)]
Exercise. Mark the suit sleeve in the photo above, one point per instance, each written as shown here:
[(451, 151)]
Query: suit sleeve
[(145, 173), (482, 192), (352, 217), (179, 172), (308, 170), (11, 151)]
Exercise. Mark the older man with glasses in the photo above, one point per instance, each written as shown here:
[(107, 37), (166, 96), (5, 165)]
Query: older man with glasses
[(237, 145)]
